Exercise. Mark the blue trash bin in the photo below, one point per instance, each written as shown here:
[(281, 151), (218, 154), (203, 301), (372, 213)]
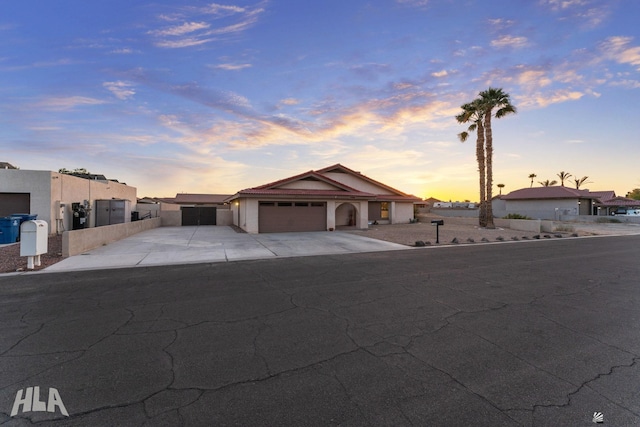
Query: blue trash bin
[(22, 218), (9, 229)]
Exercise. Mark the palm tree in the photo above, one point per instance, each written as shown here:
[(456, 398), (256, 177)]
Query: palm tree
[(580, 181), (548, 183), (563, 175), (531, 177), (498, 100), (471, 112), (500, 186)]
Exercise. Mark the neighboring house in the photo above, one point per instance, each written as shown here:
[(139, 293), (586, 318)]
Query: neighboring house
[(547, 202), (5, 165), (609, 204), (320, 200), (50, 195)]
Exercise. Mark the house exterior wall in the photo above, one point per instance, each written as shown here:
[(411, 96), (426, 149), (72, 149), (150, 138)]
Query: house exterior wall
[(245, 213), (357, 183), (51, 189), (401, 213), (340, 216), (38, 184), (308, 185), (248, 214), (543, 209)]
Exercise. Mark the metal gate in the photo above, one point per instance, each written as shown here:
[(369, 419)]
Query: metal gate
[(198, 215)]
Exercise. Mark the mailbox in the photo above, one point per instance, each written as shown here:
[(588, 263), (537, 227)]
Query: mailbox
[(437, 223), (34, 237)]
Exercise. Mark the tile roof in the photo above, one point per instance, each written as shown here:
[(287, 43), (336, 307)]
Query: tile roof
[(619, 201), (200, 198), (554, 192), (341, 190), (306, 193), (604, 195)]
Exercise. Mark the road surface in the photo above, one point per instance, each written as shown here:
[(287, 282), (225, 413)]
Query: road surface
[(517, 333)]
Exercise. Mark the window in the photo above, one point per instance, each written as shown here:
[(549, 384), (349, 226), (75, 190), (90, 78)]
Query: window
[(384, 210), (267, 204), (302, 204), (284, 203)]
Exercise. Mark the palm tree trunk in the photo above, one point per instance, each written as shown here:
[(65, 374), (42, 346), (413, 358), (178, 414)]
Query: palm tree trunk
[(489, 160), (482, 214)]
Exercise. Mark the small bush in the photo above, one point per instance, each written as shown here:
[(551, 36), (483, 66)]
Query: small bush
[(567, 228), (516, 216), (608, 220)]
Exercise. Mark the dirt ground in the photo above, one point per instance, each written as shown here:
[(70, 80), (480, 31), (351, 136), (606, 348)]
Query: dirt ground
[(11, 261)]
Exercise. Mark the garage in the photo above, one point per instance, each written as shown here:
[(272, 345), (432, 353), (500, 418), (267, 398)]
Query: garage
[(279, 217), (11, 203), (199, 215)]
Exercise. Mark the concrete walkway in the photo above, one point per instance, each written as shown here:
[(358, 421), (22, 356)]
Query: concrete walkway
[(201, 244)]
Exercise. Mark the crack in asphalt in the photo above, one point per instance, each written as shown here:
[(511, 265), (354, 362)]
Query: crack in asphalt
[(586, 384)]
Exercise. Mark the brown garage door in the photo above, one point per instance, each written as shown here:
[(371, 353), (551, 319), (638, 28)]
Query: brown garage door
[(11, 203), (281, 217)]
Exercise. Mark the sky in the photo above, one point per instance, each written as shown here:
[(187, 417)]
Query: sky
[(204, 97)]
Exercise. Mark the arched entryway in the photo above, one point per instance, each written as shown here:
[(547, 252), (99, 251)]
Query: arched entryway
[(346, 215)]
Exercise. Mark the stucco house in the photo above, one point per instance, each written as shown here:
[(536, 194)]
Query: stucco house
[(610, 204), (547, 202), (50, 195), (320, 200)]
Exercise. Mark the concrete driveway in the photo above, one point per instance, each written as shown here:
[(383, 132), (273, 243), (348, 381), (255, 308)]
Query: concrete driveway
[(201, 244)]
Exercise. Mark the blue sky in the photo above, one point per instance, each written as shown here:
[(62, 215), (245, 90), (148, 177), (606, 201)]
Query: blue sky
[(202, 97)]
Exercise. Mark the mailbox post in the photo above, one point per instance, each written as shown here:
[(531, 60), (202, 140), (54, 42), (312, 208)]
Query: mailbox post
[(437, 223), (33, 241)]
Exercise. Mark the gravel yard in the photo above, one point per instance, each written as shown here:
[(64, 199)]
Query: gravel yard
[(11, 261), (409, 234)]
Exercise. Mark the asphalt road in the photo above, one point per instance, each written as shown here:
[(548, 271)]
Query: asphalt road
[(519, 333)]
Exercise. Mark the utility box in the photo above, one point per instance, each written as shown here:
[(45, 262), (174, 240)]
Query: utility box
[(34, 237), (112, 211)]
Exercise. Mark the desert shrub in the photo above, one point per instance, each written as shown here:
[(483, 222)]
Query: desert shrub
[(516, 216), (566, 228), (608, 220)]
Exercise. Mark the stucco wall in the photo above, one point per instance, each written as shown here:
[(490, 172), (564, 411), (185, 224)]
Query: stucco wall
[(543, 209), (401, 213), (78, 241), (224, 217), (309, 185), (338, 213), (357, 183), (249, 215)]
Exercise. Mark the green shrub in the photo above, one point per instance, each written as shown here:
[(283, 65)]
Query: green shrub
[(516, 216)]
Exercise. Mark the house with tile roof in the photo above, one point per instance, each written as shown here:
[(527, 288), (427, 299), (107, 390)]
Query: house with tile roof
[(320, 200), (615, 205), (555, 202), (549, 202)]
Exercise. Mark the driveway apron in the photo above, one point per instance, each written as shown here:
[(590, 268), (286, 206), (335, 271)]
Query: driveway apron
[(202, 244)]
